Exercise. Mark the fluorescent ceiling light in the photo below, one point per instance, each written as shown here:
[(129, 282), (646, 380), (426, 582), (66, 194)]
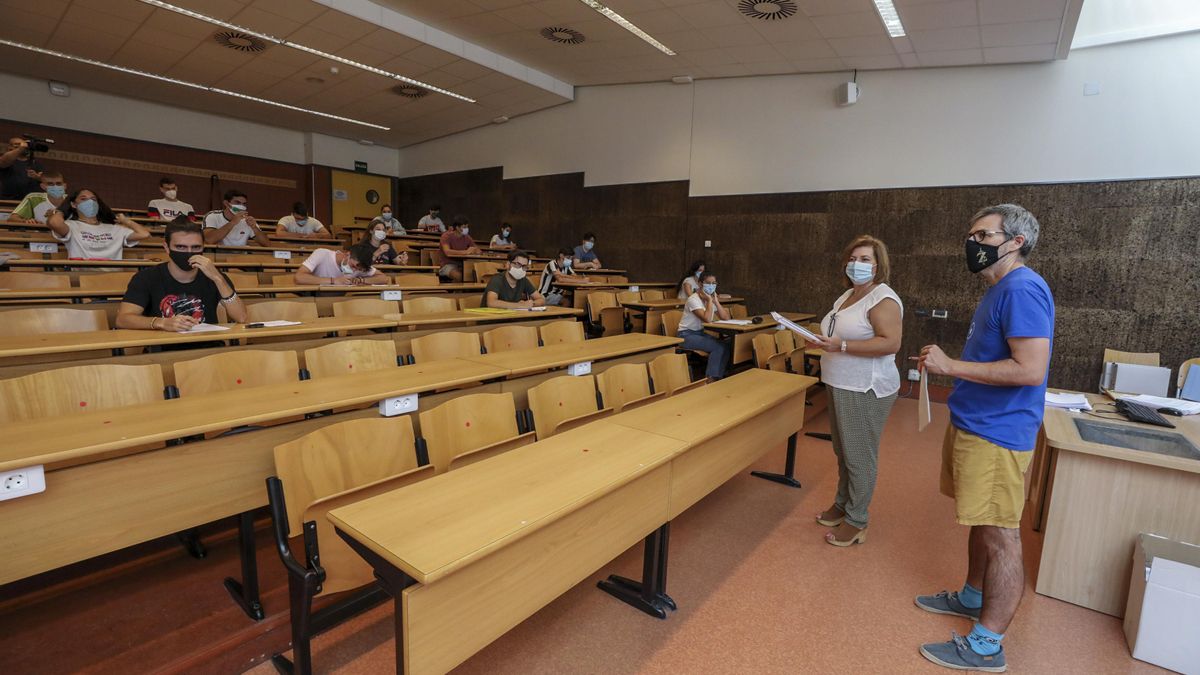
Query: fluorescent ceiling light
[(624, 23), (303, 48), (185, 83), (887, 12)]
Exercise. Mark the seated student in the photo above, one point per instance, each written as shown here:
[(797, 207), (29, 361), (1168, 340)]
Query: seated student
[(383, 251), (702, 307), (90, 229), (511, 290), (585, 257), (455, 240), (299, 222), (557, 271), (182, 292), (169, 207), (431, 222), (36, 206), (389, 220), (327, 267), (690, 282), (503, 239), (233, 225)]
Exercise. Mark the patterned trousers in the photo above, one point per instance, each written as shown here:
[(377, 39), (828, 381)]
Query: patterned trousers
[(856, 422)]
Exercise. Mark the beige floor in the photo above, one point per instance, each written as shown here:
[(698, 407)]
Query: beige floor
[(760, 591)]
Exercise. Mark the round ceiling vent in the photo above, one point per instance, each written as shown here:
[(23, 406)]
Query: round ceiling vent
[(239, 41), (767, 10), (410, 91), (564, 36)]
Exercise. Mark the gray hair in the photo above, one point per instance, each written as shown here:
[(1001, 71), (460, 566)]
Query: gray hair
[(1015, 221)]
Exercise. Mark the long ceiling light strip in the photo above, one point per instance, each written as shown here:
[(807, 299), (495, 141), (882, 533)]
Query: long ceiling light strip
[(185, 83), (891, 19), (294, 45), (623, 23)]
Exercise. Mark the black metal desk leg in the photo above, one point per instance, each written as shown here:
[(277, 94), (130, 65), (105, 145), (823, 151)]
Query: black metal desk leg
[(650, 594), (394, 581), (245, 592), (788, 476)]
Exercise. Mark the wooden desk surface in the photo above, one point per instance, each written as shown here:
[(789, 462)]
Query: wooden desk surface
[(71, 437), (80, 293), (57, 343), (1062, 434), (767, 322), (670, 303), (437, 526), (466, 316), (524, 361)]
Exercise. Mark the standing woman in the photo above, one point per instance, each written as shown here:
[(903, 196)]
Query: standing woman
[(860, 337), (376, 240), (690, 281)]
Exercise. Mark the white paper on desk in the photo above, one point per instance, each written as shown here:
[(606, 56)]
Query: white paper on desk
[(735, 322), (205, 328), (1185, 407), (1067, 401), (924, 412), (278, 323), (530, 309), (794, 327)]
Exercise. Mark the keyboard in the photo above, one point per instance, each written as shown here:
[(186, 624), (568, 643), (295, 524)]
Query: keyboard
[(1136, 412)]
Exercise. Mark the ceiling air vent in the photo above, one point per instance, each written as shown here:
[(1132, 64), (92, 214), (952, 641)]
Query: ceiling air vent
[(410, 91), (564, 36), (239, 41), (767, 10)]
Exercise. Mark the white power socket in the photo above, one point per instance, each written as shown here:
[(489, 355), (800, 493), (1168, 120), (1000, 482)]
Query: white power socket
[(43, 247), (914, 375), (283, 255), (707, 243), (391, 295), (577, 369), (400, 405), (634, 289), (22, 482)]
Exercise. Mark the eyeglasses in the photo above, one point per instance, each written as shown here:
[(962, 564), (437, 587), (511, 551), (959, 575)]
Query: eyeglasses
[(517, 266), (832, 323), (980, 235)]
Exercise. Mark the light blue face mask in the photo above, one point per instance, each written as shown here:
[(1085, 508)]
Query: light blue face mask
[(56, 191), (301, 222), (587, 245), (88, 208), (709, 289), (698, 273), (860, 272)]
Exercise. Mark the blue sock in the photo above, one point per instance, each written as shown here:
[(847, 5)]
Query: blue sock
[(970, 597), (983, 641)]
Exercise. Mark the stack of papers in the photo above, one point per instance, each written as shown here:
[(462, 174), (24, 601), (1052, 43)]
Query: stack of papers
[(794, 327), (277, 323), (1156, 402), (735, 322), (1067, 401)]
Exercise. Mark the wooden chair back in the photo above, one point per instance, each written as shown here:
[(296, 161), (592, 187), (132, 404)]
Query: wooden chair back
[(623, 384), (284, 280), (561, 400), (777, 362), (598, 300), (415, 279), (764, 348), (243, 279), (282, 310), (64, 391), (470, 301), (444, 345), (346, 357), (561, 332), (105, 281), (18, 281), (468, 423), (670, 373), (785, 341), (509, 338), (1137, 358), (429, 304), (628, 296), (653, 294), (230, 371), (670, 322), (40, 320), (737, 311), (365, 307)]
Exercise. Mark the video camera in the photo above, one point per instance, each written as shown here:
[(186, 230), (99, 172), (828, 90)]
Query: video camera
[(36, 144)]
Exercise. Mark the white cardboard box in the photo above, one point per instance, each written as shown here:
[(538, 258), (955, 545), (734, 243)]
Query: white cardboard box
[(1162, 616)]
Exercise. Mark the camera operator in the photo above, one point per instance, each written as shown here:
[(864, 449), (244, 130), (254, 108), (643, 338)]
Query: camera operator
[(20, 173)]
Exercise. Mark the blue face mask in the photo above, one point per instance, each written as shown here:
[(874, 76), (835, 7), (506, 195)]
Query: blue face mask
[(387, 215), (709, 289), (698, 273), (860, 272), (301, 222), (88, 208), (587, 245), (56, 191)]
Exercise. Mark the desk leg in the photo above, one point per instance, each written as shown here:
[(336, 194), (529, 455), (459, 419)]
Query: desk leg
[(650, 594), (245, 592), (394, 581), (789, 470)]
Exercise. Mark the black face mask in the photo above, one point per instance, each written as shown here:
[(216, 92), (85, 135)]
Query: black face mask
[(181, 258), (982, 256)]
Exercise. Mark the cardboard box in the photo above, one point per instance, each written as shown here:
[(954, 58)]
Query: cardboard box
[(1162, 616)]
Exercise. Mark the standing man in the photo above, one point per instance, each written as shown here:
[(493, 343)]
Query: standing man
[(233, 225), (995, 412), (432, 222), (169, 207), (19, 171)]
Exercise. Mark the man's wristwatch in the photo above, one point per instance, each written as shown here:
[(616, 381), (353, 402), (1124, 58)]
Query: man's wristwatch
[(843, 345)]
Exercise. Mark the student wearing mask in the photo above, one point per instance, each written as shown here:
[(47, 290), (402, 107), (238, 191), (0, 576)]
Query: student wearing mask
[(859, 337), (585, 257), (512, 290), (690, 281), (327, 267), (233, 225), (389, 220), (300, 223), (91, 230), (168, 207), (700, 308), (455, 240), (504, 238), (182, 292), (557, 272), (37, 206), (431, 222), (19, 172), (383, 251)]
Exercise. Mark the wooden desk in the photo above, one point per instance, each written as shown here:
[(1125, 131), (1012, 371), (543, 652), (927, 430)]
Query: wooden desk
[(526, 361), (1100, 498), (652, 310), (78, 295), (741, 338), (465, 317)]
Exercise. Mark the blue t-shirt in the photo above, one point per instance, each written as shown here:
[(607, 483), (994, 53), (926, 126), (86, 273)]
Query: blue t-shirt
[(582, 255), (1020, 306)]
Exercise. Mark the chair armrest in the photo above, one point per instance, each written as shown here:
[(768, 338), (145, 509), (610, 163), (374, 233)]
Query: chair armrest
[(580, 420), (637, 403), (689, 386), (489, 451)]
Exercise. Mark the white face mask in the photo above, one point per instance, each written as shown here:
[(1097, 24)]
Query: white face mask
[(379, 235), (170, 194), (347, 269), (516, 273)]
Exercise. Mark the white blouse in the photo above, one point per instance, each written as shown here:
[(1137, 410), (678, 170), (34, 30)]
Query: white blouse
[(850, 371)]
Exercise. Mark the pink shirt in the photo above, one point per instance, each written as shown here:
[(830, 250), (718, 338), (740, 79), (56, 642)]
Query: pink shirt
[(323, 263)]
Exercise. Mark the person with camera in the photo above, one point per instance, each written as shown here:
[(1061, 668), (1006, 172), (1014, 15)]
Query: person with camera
[(91, 230), (20, 173)]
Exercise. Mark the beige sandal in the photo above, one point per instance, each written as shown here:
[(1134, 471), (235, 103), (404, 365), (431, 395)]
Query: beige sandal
[(827, 518), (859, 537)]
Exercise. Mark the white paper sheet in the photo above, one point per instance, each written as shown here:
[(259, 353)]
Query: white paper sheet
[(794, 327), (924, 412), (735, 322), (278, 323), (205, 328), (1067, 401)]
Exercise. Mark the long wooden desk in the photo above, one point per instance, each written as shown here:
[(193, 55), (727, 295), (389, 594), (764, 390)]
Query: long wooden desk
[(740, 338), (278, 264), (1100, 497), (465, 553), (79, 294), (651, 311), (466, 316), (526, 361)]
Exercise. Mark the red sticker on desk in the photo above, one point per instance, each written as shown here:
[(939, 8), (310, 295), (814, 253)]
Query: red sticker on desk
[(83, 404), (239, 380)]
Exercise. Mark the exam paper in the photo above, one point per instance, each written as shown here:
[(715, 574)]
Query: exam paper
[(735, 322), (278, 323), (794, 327), (1067, 401), (205, 328)]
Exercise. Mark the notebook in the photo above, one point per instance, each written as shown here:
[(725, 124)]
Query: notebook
[(1191, 386)]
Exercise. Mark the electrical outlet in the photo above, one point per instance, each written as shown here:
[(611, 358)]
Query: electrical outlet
[(283, 255), (43, 247), (577, 369), (22, 482), (634, 289), (391, 295), (707, 243), (914, 375), (940, 314), (400, 405)]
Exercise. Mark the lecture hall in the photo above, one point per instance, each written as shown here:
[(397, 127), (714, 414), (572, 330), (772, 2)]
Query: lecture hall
[(599, 336)]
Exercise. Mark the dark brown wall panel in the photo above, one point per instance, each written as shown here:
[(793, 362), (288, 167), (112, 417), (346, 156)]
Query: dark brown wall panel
[(475, 194)]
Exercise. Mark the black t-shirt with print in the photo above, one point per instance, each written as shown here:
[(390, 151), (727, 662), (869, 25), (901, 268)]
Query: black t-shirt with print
[(160, 294)]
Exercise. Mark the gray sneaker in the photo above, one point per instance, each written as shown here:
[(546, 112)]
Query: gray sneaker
[(947, 602), (958, 655)]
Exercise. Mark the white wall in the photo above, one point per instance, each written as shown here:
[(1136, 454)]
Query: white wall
[(341, 153), (948, 126)]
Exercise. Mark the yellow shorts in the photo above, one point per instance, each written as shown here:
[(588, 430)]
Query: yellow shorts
[(986, 481)]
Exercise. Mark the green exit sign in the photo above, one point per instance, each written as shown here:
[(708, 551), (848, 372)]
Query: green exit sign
[(360, 167)]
